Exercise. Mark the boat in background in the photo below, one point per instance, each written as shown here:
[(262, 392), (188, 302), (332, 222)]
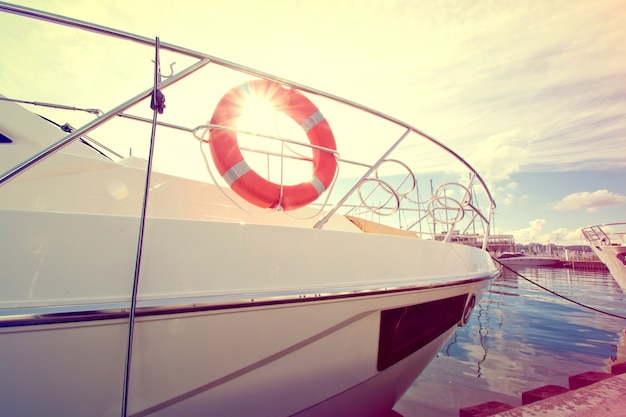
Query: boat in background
[(608, 242), (503, 249), (512, 259), (133, 285)]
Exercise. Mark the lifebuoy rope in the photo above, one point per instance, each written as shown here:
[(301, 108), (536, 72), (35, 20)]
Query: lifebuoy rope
[(202, 140)]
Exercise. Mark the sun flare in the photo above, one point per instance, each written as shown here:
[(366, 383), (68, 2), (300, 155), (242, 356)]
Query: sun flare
[(264, 124), (259, 114)]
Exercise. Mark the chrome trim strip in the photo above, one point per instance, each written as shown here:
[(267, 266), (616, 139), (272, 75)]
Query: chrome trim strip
[(34, 316)]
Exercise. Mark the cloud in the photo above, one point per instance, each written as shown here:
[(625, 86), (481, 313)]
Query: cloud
[(499, 155), (532, 233), (588, 201), (508, 199), (536, 232), (552, 71), (564, 236), (504, 193)]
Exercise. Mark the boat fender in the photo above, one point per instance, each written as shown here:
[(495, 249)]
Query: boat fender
[(469, 308), (232, 166)]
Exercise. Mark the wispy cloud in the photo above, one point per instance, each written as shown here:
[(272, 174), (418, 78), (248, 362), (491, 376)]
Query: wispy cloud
[(590, 201), (538, 232), (500, 155), (551, 72), (505, 194), (531, 233)]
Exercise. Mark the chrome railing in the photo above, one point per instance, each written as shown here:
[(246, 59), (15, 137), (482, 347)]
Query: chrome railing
[(448, 210), (609, 234)]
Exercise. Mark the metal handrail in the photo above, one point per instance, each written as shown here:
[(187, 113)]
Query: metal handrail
[(51, 17), (598, 234), (62, 143), (205, 59)]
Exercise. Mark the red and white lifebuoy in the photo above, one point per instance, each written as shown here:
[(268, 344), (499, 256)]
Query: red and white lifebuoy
[(246, 182)]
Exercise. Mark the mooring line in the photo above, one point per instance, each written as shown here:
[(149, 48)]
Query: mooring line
[(559, 295)]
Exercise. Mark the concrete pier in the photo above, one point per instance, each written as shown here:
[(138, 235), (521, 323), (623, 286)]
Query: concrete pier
[(590, 394), (588, 266), (606, 398)]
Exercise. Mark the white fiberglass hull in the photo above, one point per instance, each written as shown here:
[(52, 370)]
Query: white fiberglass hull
[(530, 261), (296, 344), (274, 361), (614, 257)]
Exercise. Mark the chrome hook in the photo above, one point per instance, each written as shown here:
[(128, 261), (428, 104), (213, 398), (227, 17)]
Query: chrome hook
[(171, 69)]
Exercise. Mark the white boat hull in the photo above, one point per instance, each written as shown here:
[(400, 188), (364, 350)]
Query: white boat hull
[(276, 360), (296, 344), (614, 257), (530, 261), (608, 242)]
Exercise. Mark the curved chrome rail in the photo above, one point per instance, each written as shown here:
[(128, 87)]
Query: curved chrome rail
[(442, 215), (609, 234)]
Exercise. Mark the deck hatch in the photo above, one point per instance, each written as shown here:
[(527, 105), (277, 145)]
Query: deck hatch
[(405, 330)]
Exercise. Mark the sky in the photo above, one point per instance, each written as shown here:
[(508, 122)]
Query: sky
[(532, 94)]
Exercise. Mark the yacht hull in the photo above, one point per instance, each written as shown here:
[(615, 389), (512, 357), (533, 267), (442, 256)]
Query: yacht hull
[(530, 261), (614, 257), (287, 357), (608, 242)]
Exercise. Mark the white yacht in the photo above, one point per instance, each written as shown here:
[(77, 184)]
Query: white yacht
[(608, 242), (131, 288)]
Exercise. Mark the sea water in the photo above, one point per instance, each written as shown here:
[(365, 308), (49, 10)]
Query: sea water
[(521, 337)]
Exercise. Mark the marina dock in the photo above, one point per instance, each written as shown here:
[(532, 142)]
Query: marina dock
[(587, 266), (590, 394)]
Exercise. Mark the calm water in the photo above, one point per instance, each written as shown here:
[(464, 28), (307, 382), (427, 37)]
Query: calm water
[(521, 337)]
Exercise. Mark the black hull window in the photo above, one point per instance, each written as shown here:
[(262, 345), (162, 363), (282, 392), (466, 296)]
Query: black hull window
[(407, 329)]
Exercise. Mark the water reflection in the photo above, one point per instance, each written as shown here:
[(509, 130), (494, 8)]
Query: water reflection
[(483, 333), (521, 337)]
